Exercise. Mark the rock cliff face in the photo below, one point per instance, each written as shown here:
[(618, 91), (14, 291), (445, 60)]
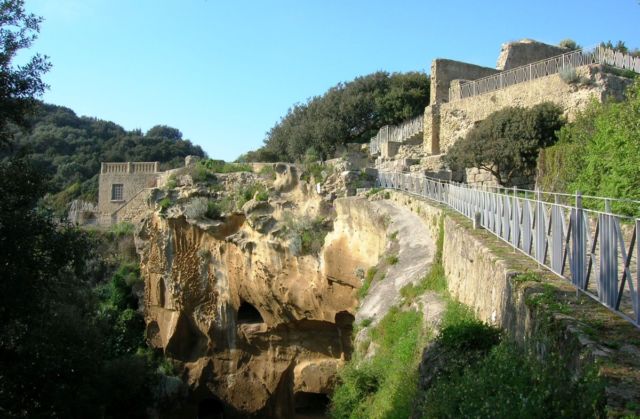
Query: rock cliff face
[(257, 326)]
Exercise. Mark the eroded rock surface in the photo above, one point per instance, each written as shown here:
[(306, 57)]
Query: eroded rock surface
[(255, 326)]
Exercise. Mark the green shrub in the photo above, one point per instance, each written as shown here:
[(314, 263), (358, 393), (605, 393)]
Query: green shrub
[(508, 383), (121, 229), (366, 284), (268, 172), (214, 210), (164, 204), (196, 208), (469, 335), (598, 154), (306, 235), (569, 43), (392, 259), (220, 166), (314, 172), (171, 182), (569, 75), (253, 190), (507, 142), (373, 191)]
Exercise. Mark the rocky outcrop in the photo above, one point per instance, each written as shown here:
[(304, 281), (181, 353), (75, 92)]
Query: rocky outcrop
[(251, 322)]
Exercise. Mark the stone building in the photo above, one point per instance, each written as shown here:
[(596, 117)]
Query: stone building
[(121, 190)]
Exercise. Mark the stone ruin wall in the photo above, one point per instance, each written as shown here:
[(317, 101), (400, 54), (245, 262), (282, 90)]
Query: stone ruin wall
[(458, 117), (445, 122)]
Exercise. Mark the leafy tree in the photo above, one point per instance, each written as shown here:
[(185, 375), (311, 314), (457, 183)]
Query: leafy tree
[(569, 43), (348, 112), (164, 131), (507, 142), (600, 152), (621, 46), (68, 149), (18, 84), (56, 359)]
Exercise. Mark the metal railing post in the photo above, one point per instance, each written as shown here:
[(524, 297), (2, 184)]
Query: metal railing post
[(557, 236), (541, 229), (578, 244)]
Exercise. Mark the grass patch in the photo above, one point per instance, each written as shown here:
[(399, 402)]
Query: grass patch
[(392, 259), (373, 191), (121, 229), (366, 284), (172, 183), (526, 277), (315, 172), (393, 236), (385, 386), (268, 172), (253, 190), (220, 166)]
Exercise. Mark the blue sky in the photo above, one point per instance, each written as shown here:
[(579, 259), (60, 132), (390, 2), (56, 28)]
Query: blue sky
[(225, 72)]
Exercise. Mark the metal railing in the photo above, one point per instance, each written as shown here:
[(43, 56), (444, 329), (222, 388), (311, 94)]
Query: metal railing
[(397, 133), (598, 251), (543, 68)]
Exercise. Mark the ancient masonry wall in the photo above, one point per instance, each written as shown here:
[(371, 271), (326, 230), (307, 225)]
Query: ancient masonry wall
[(134, 210), (133, 176), (455, 119), (481, 273)]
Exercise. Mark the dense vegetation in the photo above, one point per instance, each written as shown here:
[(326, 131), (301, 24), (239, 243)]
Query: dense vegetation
[(71, 342), (507, 142), (469, 370), (347, 113), (599, 153), (68, 149)]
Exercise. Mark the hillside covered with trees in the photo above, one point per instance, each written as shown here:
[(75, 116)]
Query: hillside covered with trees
[(349, 112), (68, 149)]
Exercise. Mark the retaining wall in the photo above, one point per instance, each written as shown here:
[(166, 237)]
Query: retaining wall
[(484, 273)]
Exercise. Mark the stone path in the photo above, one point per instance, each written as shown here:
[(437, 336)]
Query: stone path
[(415, 256)]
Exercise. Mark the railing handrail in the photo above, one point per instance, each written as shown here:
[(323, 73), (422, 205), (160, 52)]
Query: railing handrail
[(397, 133), (528, 191), (592, 55), (557, 236)]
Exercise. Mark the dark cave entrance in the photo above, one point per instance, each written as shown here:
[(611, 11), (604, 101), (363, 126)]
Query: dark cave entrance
[(249, 314), (311, 405), (210, 408)]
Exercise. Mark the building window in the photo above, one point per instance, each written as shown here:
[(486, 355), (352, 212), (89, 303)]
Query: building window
[(116, 192)]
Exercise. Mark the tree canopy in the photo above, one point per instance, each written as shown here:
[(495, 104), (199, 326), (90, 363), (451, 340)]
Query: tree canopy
[(507, 142), (68, 149), (598, 154), (346, 113), (68, 348)]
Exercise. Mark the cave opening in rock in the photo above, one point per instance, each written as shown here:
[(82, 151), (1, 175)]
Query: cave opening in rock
[(210, 408), (311, 405), (249, 314)]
